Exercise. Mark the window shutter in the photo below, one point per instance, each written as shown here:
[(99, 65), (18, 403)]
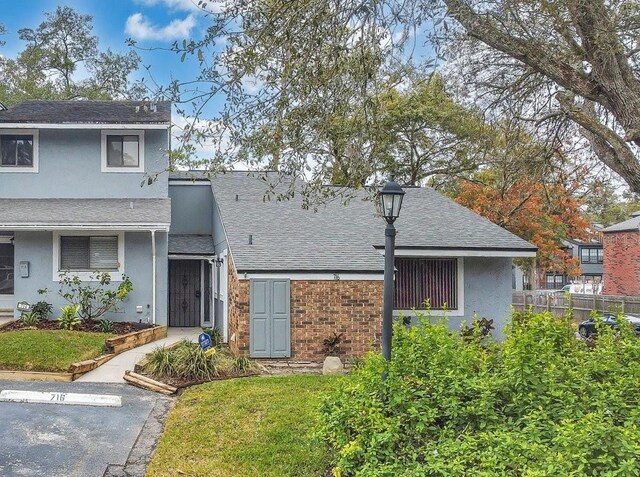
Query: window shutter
[(74, 253), (88, 253), (104, 253), (418, 280)]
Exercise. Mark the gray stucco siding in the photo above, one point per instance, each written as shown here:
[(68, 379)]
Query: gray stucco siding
[(591, 268), (70, 167), (219, 236), (37, 249), (487, 291), (192, 209)]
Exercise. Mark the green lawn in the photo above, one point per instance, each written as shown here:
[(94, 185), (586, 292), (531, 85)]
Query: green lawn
[(250, 427), (47, 350)]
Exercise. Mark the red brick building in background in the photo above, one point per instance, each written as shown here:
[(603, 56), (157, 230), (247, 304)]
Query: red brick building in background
[(621, 274)]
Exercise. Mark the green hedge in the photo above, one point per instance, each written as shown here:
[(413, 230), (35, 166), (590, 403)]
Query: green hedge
[(541, 403)]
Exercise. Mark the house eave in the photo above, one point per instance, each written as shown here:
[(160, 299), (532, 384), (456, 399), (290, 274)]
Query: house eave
[(410, 251), (84, 125), (86, 226)]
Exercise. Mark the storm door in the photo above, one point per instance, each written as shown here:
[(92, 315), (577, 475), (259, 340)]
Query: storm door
[(185, 293)]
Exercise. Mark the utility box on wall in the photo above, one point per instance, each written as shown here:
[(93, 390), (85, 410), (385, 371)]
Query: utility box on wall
[(24, 269)]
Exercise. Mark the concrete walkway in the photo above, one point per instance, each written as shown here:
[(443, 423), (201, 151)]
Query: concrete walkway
[(113, 371)]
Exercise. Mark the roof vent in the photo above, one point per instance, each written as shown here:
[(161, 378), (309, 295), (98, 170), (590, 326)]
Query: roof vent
[(236, 197), (250, 239), (636, 213), (131, 205), (153, 107)]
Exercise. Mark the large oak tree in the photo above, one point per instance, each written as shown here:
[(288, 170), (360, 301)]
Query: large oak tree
[(560, 61)]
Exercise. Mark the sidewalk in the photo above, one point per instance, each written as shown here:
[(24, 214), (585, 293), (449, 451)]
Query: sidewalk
[(113, 371)]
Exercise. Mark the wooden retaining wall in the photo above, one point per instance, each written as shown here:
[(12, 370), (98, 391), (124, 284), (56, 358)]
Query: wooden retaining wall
[(114, 346)]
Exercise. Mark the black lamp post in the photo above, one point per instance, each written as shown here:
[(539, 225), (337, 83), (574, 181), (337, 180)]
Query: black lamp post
[(391, 197)]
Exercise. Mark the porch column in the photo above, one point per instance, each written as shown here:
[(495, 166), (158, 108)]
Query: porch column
[(153, 276)]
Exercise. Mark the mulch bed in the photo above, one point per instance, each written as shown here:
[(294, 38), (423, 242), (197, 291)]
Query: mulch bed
[(119, 328)]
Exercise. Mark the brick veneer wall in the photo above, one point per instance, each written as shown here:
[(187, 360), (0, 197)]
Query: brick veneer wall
[(318, 309), (621, 267), (238, 312)]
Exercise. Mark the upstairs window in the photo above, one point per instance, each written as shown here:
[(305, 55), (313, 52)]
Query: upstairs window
[(591, 255), (18, 151), (421, 279), (122, 151)]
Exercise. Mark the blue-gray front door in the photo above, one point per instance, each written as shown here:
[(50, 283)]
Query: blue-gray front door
[(270, 326)]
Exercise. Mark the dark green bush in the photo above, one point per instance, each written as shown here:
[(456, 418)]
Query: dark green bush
[(538, 404), (43, 309)]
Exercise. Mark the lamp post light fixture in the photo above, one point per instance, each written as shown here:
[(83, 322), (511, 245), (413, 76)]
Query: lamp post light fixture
[(391, 197)]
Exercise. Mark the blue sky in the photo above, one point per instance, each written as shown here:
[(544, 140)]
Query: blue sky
[(150, 22)]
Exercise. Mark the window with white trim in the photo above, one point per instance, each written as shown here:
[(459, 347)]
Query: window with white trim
[(86, 254), (420, 279), (89, 253), (122, 151), (19, 150)]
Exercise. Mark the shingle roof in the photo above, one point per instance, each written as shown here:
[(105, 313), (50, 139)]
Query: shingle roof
[(343, 238), (191, 244), (87, 112), (193, 175), (630, 224), (83, 212)]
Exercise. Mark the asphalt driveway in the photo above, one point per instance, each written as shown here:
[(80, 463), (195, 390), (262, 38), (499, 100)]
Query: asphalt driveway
[(53, 440)]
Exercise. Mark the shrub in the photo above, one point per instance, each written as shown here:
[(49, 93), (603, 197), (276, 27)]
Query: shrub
[(538, 404), (193, 363), (185, 361), (331, 345), (162, 362), (30, 319), (190, 362), (69, 320), (105, 326), (42, 309), (215, 335), (242, 365), (94, 297)]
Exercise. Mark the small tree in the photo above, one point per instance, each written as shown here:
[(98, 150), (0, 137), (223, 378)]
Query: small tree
[(94, 297)]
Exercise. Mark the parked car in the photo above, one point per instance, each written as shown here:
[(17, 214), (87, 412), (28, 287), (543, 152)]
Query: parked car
[(588, 328)]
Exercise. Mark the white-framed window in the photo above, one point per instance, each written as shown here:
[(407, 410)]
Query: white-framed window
[(85, 253), (438, 280), (122, 151), (19, 150)]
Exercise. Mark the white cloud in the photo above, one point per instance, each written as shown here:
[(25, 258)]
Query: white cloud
[(139, 27), (185, 5)]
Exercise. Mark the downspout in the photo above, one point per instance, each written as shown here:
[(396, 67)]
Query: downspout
[(215, 294), (153, 277)]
